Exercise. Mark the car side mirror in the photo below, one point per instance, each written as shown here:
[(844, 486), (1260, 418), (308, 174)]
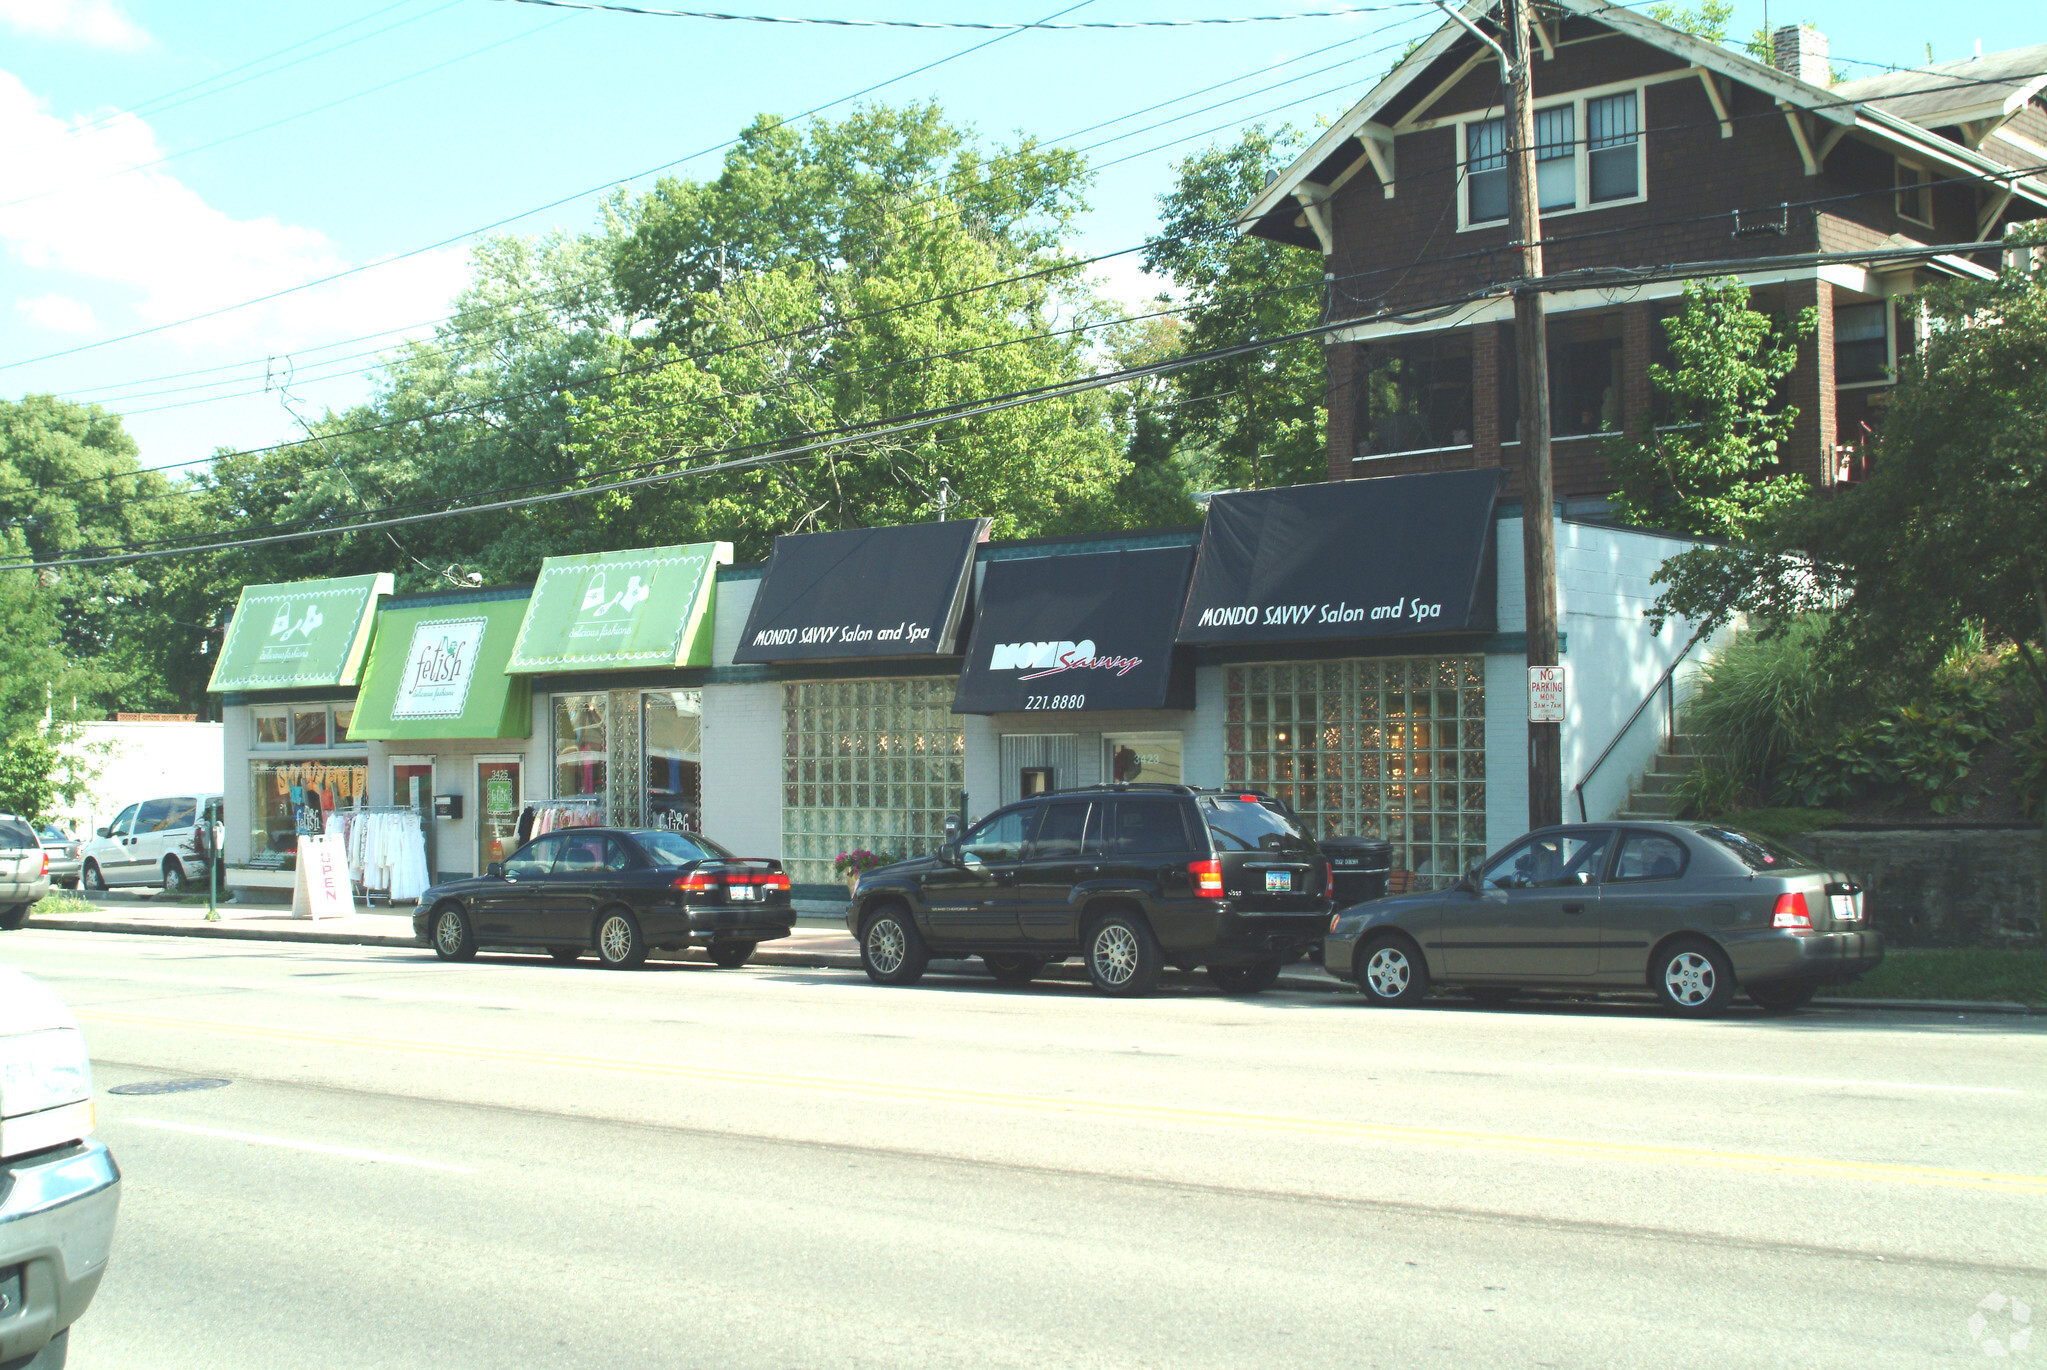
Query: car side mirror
[(1469, 880), (495, 870), (949, 854), (106, 832)]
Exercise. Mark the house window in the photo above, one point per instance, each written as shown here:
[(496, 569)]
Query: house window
[(1612, 133), (1602, 166), (273, 729), (1556, 158), (1584, 378), (1862, 343), (1414, 395), (1488, 188), (1915, 194)]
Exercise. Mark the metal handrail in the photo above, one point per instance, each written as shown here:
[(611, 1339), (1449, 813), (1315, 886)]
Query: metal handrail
[(1664, 685)]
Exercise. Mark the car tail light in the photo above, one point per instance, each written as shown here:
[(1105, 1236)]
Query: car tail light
[(1208, 878), (1247, 799), (767, 880), (1328, 876), (1791, 913), (696, 883), (1334, 919), (46, 861)]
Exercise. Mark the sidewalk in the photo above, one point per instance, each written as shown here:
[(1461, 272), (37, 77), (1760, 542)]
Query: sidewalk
[(819, 942)]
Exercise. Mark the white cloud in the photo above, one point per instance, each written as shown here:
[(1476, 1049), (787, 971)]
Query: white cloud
[(59, 314), (159, 249), (1124, 280), (96, 23)]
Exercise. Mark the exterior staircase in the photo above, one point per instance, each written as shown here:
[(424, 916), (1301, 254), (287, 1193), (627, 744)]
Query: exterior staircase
[(1654, 794)]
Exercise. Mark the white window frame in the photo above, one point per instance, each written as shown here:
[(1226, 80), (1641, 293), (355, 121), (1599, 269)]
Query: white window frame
[(1891, 308), (1924, 188), (1579, 99), (256, 717), (336, 742)]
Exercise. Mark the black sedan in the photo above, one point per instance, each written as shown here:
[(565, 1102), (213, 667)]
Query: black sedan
[(619, 892), (1690, 911)]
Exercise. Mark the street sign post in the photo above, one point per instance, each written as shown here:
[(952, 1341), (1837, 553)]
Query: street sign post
[(1546, 685)]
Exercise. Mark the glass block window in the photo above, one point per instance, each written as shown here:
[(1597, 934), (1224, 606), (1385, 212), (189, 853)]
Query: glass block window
[(866, 763), (1390, 747)]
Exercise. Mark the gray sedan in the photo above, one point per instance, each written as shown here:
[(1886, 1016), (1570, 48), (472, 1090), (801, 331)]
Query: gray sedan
[(1688, 910)]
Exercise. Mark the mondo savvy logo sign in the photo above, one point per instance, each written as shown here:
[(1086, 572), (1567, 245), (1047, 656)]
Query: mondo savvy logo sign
[(440, 665), (1039, 659)]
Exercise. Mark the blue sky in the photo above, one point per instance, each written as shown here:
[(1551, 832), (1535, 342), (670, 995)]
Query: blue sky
[(488, 109)]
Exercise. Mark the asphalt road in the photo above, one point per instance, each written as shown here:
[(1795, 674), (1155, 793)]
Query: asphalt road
[(510, 1163)]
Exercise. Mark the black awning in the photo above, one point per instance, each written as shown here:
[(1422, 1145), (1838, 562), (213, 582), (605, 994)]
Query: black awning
[(1079, 633), (864, 592), (1386, 557)]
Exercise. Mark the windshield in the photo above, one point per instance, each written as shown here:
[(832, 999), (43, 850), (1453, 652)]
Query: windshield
[(680, 848), (1247, 823), (1757, 853), (53, 833)]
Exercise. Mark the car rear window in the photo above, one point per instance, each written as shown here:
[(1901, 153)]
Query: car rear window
[(15, 834), (679, 849), (1757, 853), (1246, 823)]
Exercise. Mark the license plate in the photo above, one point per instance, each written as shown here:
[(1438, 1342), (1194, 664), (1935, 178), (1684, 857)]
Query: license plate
[(741, 893), (1846, 907), (1279, 882)]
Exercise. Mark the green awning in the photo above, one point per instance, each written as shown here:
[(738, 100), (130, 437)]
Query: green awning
[(621, 610), (438, 670), (291, 637)]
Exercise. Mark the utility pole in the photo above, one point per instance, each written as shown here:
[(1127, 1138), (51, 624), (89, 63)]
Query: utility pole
[(1531, 343)]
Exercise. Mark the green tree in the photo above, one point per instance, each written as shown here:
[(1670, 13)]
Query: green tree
[(1256, 419), (1713, 467)]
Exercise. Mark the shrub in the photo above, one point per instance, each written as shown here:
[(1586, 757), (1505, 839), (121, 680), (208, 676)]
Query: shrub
[(859, 861), (1750, 711), (1912, 750)]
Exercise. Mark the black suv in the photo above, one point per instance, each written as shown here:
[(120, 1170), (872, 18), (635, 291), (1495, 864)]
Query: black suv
[(1130, 878)]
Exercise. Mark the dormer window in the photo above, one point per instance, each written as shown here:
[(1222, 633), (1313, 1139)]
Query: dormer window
[(1572, 172)]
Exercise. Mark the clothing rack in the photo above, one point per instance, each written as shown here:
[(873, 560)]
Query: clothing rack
[(355, 811)]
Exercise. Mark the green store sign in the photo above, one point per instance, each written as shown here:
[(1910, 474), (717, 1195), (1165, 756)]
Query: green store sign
[(621, 610), (310, 634)]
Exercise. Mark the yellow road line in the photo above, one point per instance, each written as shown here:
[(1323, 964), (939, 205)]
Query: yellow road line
[(1995, 1181)]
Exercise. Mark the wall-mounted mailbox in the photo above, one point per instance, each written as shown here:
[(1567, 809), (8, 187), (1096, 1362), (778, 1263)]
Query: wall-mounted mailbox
[(447, 806)]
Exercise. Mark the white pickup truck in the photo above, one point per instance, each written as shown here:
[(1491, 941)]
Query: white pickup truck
[(59, 1188)]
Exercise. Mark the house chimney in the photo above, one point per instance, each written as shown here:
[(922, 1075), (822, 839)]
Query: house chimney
[(1801, 52)]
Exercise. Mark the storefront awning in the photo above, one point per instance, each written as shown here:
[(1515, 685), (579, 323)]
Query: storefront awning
[(1079, 633), (621, 610), (438, 670), (864, 593), (305, 635), (1386, 557)]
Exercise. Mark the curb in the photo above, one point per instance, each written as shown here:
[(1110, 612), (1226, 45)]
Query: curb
[(1312, 982)]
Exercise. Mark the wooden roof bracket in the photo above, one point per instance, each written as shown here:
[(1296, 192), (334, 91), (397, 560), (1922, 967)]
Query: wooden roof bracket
[(1314, 201), (1987, 218), (1378, 140), (1549, 46), (1806, 151), (1719, 99)]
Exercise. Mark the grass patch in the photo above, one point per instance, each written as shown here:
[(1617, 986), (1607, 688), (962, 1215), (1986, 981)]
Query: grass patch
[(63, 901), (1784, 825), (1976, 973)]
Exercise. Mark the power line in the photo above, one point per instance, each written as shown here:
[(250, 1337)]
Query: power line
[(971, 24)]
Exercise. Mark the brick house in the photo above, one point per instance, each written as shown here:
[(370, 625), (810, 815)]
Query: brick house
[(1654, 147)]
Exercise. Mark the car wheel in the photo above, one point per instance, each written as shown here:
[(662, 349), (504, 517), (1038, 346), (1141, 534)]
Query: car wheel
[(619, 943), (1250, 979), (567, 956), (454, 939), (1014, 970), (1391, 971), (1692, 977), (731, 955), (13, 917), (1490, 996), (92, 876), (1781, 998), (892, 951), (173, 876), (1123, 958)]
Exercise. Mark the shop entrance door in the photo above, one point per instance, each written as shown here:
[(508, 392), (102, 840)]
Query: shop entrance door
[(412, 787), (499, 795), (1141, 758)]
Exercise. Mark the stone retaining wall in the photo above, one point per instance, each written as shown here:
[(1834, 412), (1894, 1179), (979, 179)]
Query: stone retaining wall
[(1942, 887)]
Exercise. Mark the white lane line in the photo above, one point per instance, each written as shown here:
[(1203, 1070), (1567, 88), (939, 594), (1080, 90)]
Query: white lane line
[(318, 1148), (1778, 1079)]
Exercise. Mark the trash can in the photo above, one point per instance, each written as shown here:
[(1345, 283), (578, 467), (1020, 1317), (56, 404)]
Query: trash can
[(1360, 865)]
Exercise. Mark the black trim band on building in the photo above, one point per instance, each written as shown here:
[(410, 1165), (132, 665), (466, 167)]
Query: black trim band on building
[(1086, 633), (1394, 556), (863, 593)]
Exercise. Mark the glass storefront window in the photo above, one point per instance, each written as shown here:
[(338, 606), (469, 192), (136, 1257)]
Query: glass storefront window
[(867, 763), (309, 728), (580, 754), (1391, 748), (1141, 758), (673, 734), (290, 798)]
